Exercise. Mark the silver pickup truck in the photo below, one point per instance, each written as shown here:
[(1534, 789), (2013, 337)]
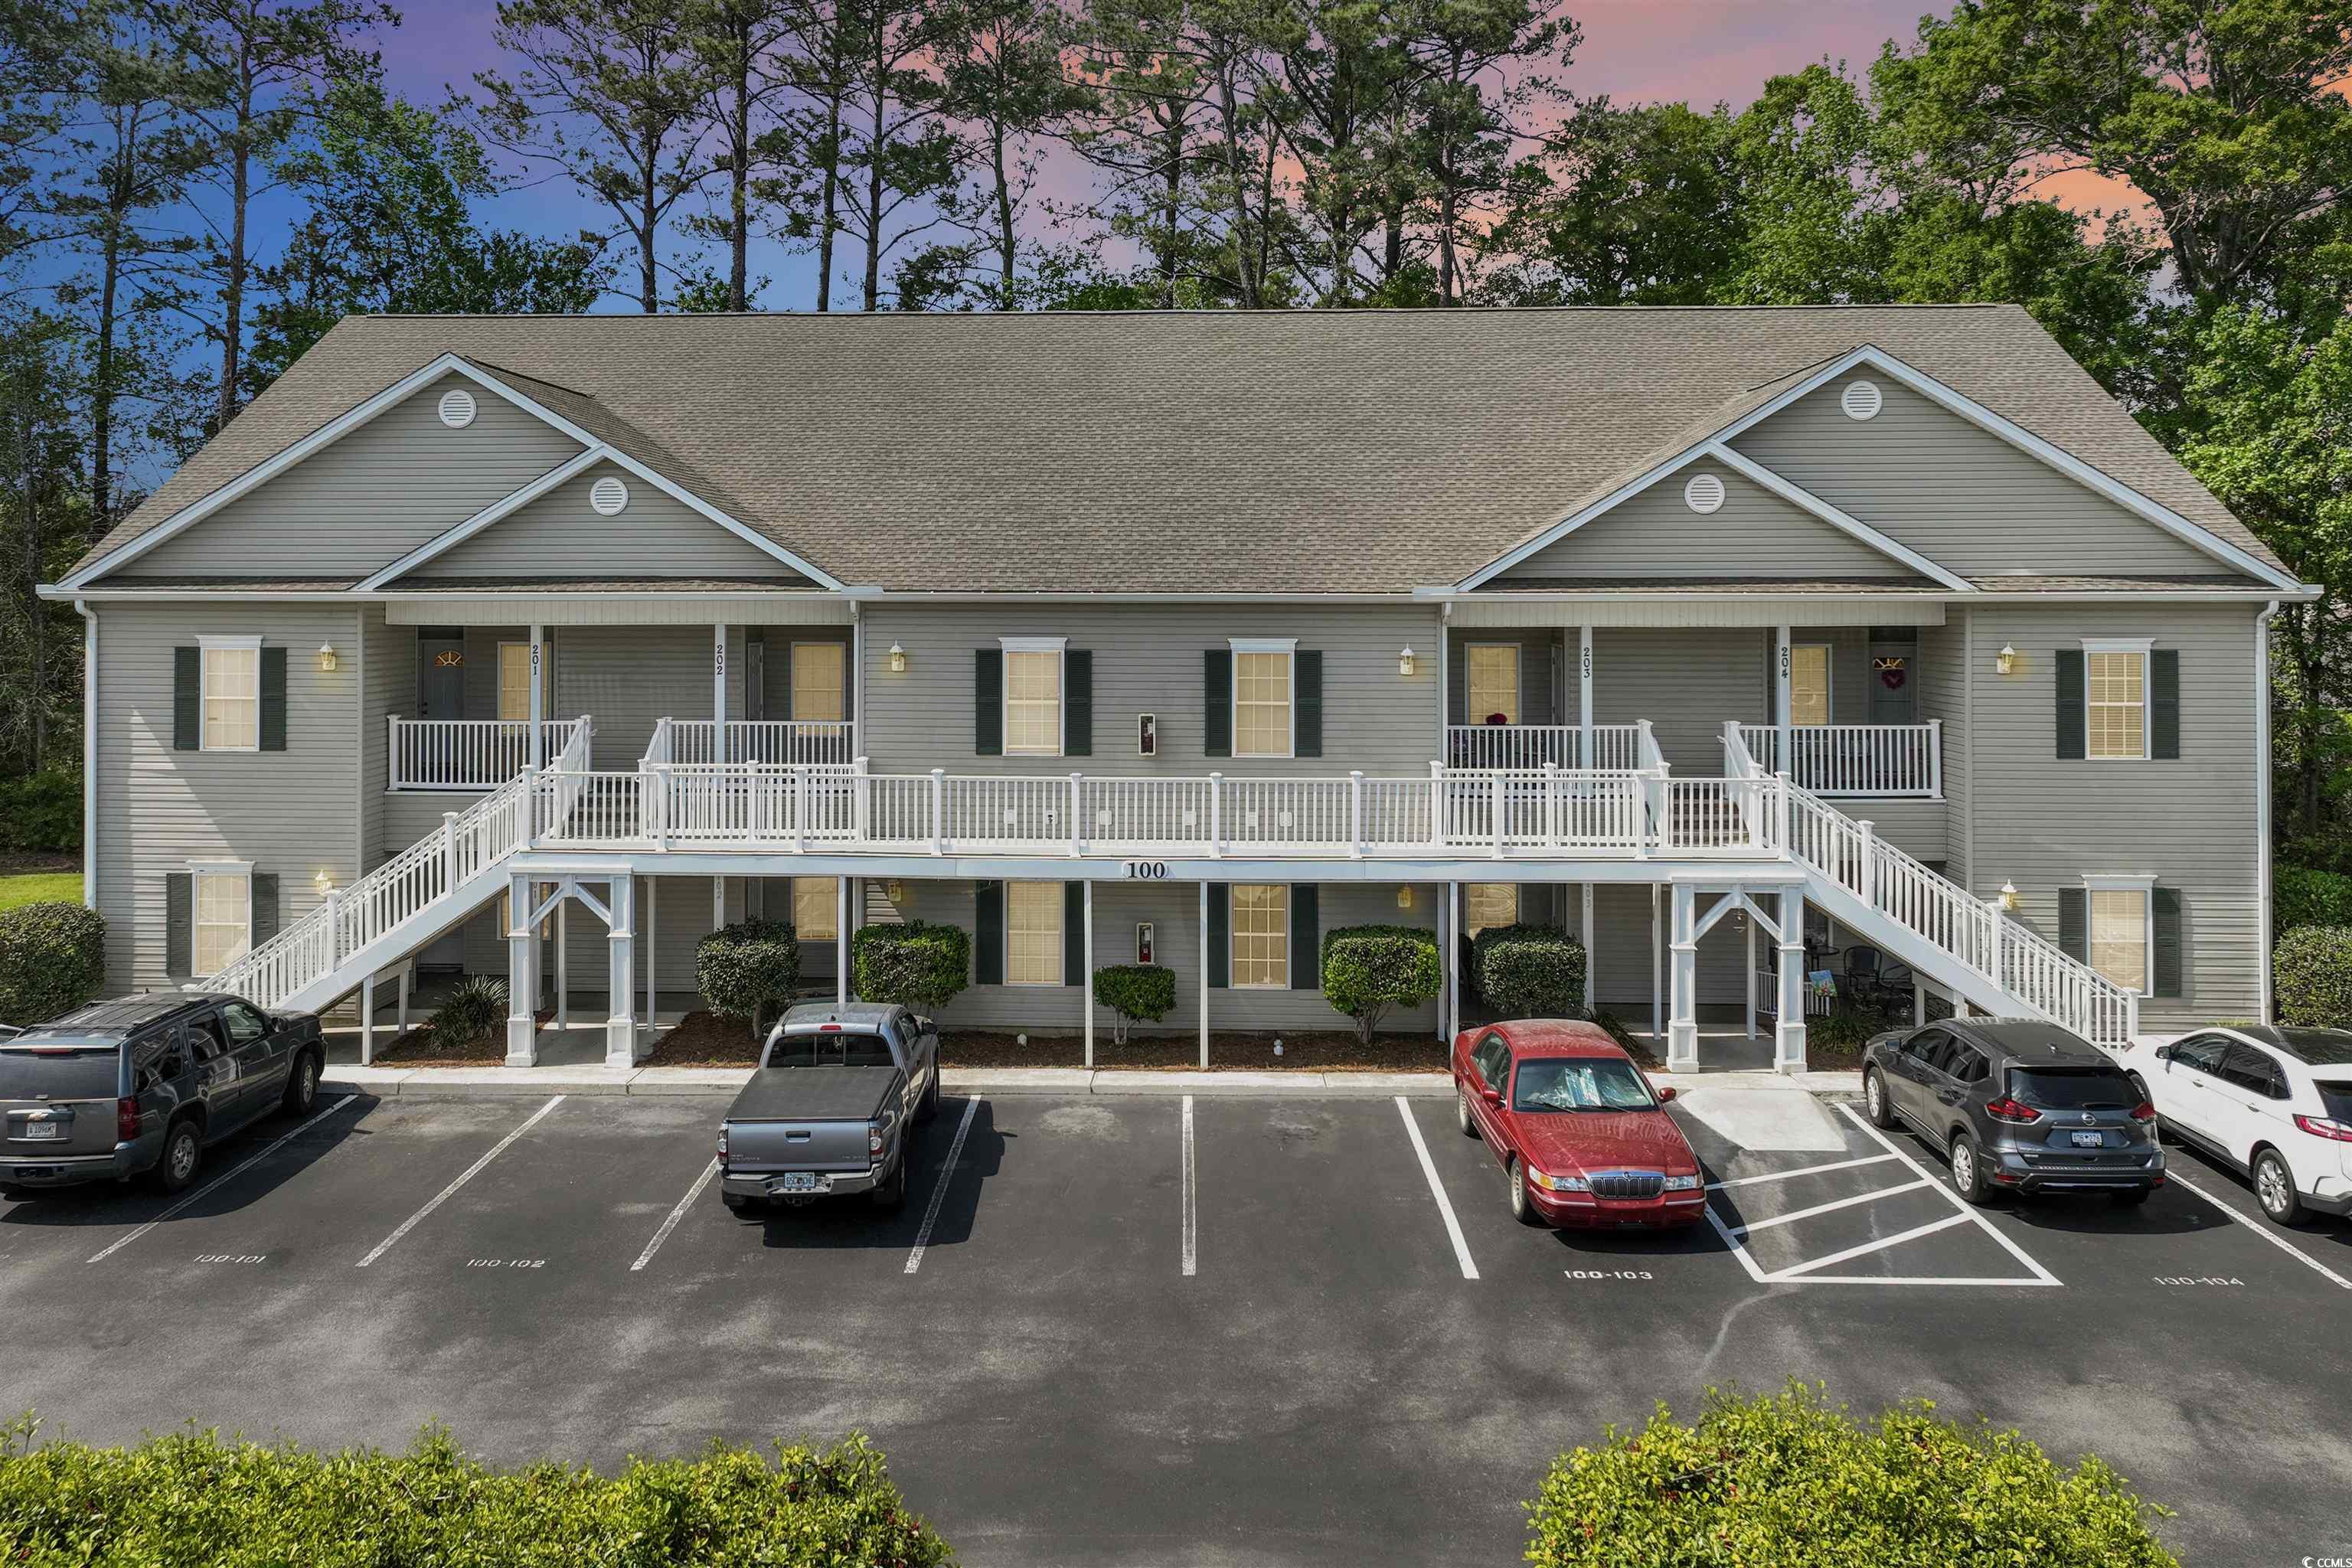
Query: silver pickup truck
[(831, 1109)]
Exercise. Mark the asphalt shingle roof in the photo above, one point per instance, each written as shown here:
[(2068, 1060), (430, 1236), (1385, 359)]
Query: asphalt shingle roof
[(1299, 452)]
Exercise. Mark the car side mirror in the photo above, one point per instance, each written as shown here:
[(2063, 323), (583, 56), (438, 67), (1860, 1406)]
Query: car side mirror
[(2164, 1053), (1491, 1096), (1665, 1094)]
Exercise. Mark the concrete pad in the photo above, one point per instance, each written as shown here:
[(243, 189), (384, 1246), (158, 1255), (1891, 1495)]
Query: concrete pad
[(1208, 1083), (689, 1081), (1762, 1118), (1016, 1080), (1385, 1084), (472, 1082)]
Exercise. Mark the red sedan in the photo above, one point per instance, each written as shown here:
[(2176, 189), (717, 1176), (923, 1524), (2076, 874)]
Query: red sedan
[(1574, 1122)]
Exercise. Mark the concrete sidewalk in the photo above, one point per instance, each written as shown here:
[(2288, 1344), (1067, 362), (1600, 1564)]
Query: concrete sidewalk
[(475, 1082)]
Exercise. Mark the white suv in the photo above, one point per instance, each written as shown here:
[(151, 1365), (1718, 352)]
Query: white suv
[(2274, 1102)]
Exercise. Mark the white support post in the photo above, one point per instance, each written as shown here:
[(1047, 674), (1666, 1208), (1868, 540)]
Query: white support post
[(1682, 1027), (1749, 970), (1782, 756), (1590, 989), (1216, 851), (652, 952), (719, 692), (1436, 806), (1449, 922), (407, 977), (718, 902), (1868, 872), (1584, 699), (1936, 758), (523, 977), (620, 1020), (841, 940), (1918, 1003), (1077, 837), (1495, 808), (1550, 803), (334, 928), (1205, 975), (367, 1022), (1657, 966), (1087, 917), (1789, 1028), (1355, 814), (563, 966), (448, 851), (538, 749)]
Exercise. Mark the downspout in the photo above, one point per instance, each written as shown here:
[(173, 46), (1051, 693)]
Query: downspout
[(89, 753), (2262, 805)]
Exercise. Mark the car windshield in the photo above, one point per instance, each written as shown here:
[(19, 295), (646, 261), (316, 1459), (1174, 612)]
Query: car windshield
[(1580, 1083), (2335, 1098), (58, 1070), (2086, 1088), (832, 1048)]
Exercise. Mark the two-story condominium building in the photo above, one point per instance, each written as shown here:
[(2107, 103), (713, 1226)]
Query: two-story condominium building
[(539, 647)]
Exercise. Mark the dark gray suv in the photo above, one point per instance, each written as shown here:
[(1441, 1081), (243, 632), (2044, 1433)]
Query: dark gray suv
[(2016, 1106)]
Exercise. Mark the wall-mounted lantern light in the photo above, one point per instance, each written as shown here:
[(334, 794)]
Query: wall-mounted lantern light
[(1405, 659), (898, 660), (2009, 896), (329, 659), (1404, 897), (325, 883), (2005, 661), (895, 891)]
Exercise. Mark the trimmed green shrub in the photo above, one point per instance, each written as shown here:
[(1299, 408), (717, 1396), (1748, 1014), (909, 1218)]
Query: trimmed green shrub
[(1530, 971), (1145, 991), (2312, 972), (1848, 1028), (52, 960), (918, 964), (749, 969), (476, 1008), (195, 1497), (2305, 896), (1371, 971), (1792, 1482), (41, 812)]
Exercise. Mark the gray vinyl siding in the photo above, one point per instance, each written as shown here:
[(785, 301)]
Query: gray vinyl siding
[(2041, 822), (1622, 956), (1546, 689), (349, 509), (1960, 496), (291, 813), (1148, 659), (680, 922), (1686, 683), (1944, 678), (627, 678), (561, 535), (1754, 533)]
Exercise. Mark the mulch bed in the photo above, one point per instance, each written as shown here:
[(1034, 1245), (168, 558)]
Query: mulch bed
[(34, 863), (1304, 1050), (418, 1048), (703, 1039)]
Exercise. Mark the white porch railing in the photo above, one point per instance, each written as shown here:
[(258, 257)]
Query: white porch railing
[(468, 754), (1603, 748), (787, 742), (1876, 759)]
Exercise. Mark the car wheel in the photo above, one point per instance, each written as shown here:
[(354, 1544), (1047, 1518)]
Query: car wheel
[(183, 1155), (1968, 1170), (2130, 1197), (892, 1192), (1875, 1102), (1523, 1207), (2274, 1188), (302, 1086), (1462, 1116)]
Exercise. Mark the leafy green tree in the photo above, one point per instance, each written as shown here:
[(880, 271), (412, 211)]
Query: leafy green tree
[(1001, 63), (751, 71), (898, 154), (44, 525)]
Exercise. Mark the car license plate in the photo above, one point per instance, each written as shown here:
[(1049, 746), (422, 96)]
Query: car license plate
[(2090, 1140), (44, 1129), (797, 1182)]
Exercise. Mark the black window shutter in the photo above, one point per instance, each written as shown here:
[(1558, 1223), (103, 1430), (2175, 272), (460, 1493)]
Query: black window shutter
[(1220, 957), (2165, 906), (187, 700), (2074, 923), (988, 701), (1073, 933), (1078, 702), (1307, 697), (2070, 704), (987, 945), (179, 916), (1306, 939), (1217, 702), (2164, 705), (265, 905), (273, 699)]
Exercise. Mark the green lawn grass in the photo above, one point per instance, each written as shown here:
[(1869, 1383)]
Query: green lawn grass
[(40, 888)]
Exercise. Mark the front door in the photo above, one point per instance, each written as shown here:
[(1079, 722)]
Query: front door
[(440, 677), (1894, 681)]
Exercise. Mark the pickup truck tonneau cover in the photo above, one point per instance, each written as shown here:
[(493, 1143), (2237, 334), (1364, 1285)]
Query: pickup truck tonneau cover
[(814, 1094)]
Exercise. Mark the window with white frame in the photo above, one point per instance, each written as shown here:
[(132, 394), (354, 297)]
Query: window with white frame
[(221, 914), (2115, 700), (815, 909), (514, 680), (1808, 683), (232, 694), (817, 682), (1033, 934), (1491, 681), (1262, 697), (1487, 904), (2120, 937), (1261, 934), (1032, 697)]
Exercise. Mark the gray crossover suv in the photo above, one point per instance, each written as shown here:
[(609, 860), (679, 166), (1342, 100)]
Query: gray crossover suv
[(2016, 1106)]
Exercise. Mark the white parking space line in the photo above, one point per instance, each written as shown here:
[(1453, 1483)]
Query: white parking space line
[(1437, 1189), (940, 1187), (1738, 1248), (447, 1193), (229, 1174), (2262, 1230), (675, 1214), (2040, 1276), (1752, 1227), (1802, 1171), (1191, 1207), (1880, 1245)]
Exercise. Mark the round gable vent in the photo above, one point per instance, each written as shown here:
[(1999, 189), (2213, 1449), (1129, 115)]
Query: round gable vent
[(1861, 400), (457, 408), (1704, 492), (608, 495)]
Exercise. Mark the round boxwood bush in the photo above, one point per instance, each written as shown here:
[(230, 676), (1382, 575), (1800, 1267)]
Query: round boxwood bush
[(748, 970), (916, 964), (477, 1007), (1370, 971), (1793, 1481), (1530, 971), (193, 1497), (52, 960), (2312, 970), (1135, 991)]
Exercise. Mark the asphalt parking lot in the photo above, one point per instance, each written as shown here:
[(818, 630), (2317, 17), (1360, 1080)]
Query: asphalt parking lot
[(1160, 1331)]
